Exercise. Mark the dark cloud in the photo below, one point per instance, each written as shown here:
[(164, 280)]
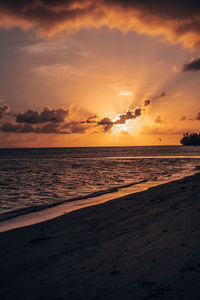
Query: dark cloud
[(131, 114), (47, 115), (4, 108), (147, 102), (11, 127), (163, 94), (90, 120), (121, 119), (29, 128), (107, 123), (124, 117), (77, 126), (47, 121), (138, 112), (128, 116), (78, 129), (198, 116), (178, 20), (53, 128), (194, 65), (59, 121)]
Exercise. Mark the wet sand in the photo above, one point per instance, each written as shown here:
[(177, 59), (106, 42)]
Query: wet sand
[(142, 246)]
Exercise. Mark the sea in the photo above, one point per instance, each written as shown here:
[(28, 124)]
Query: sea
[(38, 178)]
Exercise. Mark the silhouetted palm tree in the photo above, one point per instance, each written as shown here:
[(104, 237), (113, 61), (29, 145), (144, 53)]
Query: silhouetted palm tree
[(190, 139)]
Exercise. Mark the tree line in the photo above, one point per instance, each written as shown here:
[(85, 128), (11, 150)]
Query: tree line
[(190, 139)]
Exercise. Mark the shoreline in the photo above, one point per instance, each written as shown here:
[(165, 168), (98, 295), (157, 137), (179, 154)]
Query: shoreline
[(34, 209), (33, 215), (141, 246)]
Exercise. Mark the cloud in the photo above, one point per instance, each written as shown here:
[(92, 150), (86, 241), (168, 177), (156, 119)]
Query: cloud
[(47, 115), (163, 94), (50, 128), (4, 108), (178, 21), (129, 115), (158, 119), (138, 112), (57, 70), (147, 102), (54, 121), (62, 121), (78, 126), (198, 116), (90, 120), (107, 123), (194, 65), (183, 118), (121, 119), (29, 128)]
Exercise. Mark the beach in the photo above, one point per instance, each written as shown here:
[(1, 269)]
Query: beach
[(142, 246)]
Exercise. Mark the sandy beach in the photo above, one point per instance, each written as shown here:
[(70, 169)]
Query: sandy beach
[(142, 246)]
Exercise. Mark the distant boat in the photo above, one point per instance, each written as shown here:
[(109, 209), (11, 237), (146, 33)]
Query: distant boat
[(190, 139)]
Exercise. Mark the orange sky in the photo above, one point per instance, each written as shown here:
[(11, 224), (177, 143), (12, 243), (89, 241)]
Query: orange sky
[(78, 73)]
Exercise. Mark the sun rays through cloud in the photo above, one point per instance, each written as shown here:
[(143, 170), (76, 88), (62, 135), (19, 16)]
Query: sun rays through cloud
[(104, 57)]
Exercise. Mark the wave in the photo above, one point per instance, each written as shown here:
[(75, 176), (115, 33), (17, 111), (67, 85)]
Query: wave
[(28, 210)]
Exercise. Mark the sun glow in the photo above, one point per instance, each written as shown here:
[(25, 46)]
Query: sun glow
[(120, 128), (131, 127), (125, 93)]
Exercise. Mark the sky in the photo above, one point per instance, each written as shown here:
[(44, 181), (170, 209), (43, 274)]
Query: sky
[(98, 73)]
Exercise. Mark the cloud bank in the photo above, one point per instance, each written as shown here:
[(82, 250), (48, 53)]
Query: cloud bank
[(62, 121), (4, 108), (49, 128), (177, 20), (55, 121), (47, 115), (198, 116), (194, 65)]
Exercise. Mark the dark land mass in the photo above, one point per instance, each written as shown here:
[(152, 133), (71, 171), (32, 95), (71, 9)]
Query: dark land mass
[(190, 139)]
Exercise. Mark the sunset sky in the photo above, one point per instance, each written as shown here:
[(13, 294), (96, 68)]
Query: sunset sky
[(98, 73)]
